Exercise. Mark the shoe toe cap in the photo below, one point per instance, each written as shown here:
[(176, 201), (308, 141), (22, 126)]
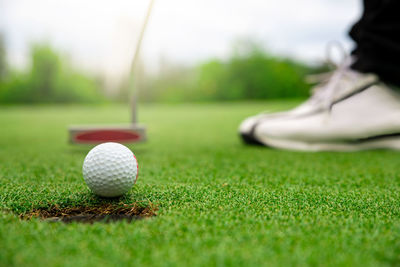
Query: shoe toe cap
[(246, 127), (246, 130)]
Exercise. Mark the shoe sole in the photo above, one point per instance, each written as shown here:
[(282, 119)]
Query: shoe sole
[(250, 140), (384, 142)]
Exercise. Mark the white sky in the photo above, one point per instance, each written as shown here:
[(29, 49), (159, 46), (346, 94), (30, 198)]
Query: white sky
[(100, 35)]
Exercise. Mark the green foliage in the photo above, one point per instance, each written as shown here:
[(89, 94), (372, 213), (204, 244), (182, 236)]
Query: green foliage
[(50, 79), (172, 84), (3, 61), (249, 73)]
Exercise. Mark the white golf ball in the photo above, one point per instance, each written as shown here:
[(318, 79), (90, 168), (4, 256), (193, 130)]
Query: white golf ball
[(110, 169)]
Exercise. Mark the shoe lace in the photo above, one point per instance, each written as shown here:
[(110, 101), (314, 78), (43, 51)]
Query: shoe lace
[(329, 82)]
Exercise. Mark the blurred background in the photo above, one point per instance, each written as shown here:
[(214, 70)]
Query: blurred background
[(70, 51)]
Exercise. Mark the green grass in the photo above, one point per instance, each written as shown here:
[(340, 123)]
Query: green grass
[(220, 202)]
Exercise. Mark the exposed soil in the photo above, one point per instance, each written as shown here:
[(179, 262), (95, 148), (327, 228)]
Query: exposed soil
[(89, 214)]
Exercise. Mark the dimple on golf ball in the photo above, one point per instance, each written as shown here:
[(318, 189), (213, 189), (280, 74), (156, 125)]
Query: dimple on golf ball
[(110, 169)]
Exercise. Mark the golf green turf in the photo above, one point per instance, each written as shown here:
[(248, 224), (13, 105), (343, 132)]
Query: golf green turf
[(220, 202)]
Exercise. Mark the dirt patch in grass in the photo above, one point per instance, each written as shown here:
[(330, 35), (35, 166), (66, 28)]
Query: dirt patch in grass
[(89, 214)]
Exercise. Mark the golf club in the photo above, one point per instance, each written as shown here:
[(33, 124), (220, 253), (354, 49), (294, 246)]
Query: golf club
[(129, 133)]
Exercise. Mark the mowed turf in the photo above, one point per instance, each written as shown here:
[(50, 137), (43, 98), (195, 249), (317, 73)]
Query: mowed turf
[(220, 202)]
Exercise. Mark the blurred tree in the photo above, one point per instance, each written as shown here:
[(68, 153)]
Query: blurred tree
[(50, 79), (3, 61), (45, 73), (249, 73)]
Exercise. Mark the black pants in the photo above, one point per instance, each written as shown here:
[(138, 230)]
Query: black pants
[(377, 35)]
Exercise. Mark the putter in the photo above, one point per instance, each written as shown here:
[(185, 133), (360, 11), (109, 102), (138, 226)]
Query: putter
[(129, 133)]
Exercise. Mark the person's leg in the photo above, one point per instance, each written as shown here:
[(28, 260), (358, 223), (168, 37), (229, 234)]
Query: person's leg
[(377, 36)]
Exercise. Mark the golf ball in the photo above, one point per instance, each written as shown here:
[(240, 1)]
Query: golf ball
[(110, 169)]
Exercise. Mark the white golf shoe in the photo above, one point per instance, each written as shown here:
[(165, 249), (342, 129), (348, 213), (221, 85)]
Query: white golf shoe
[(351, 111)]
